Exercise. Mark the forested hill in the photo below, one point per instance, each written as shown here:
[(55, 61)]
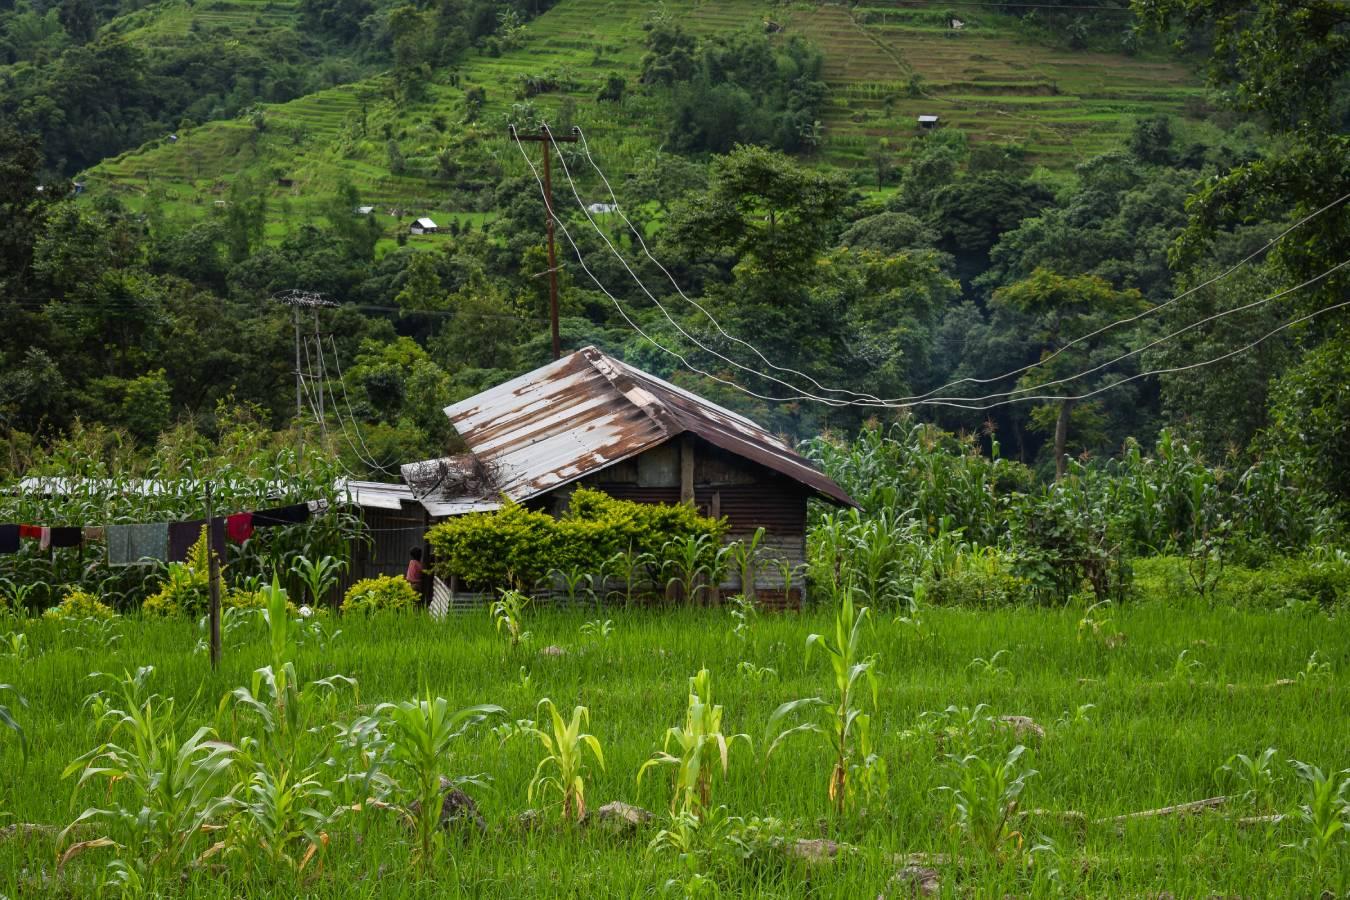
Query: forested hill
[(168, 169)]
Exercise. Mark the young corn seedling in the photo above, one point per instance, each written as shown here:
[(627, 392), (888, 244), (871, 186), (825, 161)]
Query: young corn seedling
[(686, 561), (281, 815), (424, 731), (743, 610), (598, 628), (696, 742), (985, 797), (1252, 779), (989, 668), (846, 717), (162, 791), (564, 748), (508, 612), (745, 557), (1325, 816), (317, 577)]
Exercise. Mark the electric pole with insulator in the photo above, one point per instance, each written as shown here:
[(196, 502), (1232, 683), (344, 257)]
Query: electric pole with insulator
[(548, 139)]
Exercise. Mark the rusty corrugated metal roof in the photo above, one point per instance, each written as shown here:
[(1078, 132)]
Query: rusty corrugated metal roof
[(588, 411)]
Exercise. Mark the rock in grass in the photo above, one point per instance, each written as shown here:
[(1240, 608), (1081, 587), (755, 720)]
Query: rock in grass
[(620, 816), (553, 650), (457, 809), (917, 881), (815, 850), (1023, 726), (529, 820)]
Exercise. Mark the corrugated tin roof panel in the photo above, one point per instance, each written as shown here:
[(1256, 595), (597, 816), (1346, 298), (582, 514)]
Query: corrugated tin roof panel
[(587, 411), (374, 494)]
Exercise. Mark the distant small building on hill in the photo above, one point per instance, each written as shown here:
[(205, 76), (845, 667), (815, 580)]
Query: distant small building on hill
[(602, 208), (364, 210), (928, 122), (423, 226)]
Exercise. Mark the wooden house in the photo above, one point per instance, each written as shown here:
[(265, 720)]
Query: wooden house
[(591, 420)]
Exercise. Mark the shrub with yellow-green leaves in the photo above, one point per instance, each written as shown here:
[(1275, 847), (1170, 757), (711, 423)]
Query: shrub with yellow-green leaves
[(78, 604), (519, 546), (186, 587), (384, 592)]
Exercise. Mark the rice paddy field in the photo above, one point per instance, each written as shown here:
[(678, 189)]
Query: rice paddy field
[(1129, 710), (884, 65)]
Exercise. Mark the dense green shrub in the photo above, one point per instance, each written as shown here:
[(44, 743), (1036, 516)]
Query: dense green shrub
[(520, 546), (384, 592), (186, 589), (1322, 579), (978, 578), (79, 604)]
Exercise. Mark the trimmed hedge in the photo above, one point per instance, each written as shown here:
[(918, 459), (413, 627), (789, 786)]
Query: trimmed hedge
[(519, 546)]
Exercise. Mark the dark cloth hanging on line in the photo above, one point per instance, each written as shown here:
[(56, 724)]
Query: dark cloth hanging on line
[(130, 545), (183, 536), (239, 527), (67, 537), (282, 515), (9, 538)]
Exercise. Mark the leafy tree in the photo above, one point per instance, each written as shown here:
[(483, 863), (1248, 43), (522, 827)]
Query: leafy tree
[(670, 53), (1310, 417), (1060, 309)]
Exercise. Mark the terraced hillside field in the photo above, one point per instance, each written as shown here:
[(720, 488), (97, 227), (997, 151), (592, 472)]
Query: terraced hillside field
[(884, 66)]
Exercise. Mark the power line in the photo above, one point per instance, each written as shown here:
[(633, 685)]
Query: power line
[(585, 146), (1163, 371), (1135, 318), (659, 305), (624, 313), (870, 400), (1191, 327)]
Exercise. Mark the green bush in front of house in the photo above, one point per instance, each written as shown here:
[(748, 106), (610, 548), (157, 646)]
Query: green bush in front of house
[(378, 594), (519, 546)]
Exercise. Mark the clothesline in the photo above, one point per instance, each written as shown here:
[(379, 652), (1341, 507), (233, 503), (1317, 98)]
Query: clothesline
[(140, 543)]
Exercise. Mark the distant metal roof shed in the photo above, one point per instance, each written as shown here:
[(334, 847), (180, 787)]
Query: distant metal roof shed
[(588, 411)]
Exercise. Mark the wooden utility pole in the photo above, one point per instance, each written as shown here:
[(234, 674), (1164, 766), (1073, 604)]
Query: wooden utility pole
[(548, 139), (213, 568)]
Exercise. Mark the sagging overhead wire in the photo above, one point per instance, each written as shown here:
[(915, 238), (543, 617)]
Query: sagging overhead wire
[(581, 260), (1169, 370), (637, 233), (869, 400), (659, 305), (1155, 342)]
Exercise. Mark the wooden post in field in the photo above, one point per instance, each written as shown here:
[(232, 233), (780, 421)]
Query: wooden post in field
[(213, 568)]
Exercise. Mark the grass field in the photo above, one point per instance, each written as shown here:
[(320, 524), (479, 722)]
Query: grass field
[(1139, 713), (884, 66)]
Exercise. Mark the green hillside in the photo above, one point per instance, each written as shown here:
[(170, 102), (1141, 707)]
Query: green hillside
[(883, 68)]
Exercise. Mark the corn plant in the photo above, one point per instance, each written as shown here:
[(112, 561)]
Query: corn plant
[(989, 668), (845, 717), (15, 645), (424, 731), (507, 611), (164, 790), (572, 581), (280, 814), (744, 556), (700, 737), (318, 577), (564, 751), (7, 718), (1325, 816), (631, 568), (743, 611), (1252, 778), (601, 628), (985, 798), (686, 561)]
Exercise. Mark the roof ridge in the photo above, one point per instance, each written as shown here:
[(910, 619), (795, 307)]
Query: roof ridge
[(634, 393)]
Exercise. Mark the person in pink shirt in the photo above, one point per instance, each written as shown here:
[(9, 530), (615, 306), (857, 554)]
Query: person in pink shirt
[(414, 573)]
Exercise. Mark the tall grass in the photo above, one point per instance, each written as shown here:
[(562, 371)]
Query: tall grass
[(1122, 734)]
